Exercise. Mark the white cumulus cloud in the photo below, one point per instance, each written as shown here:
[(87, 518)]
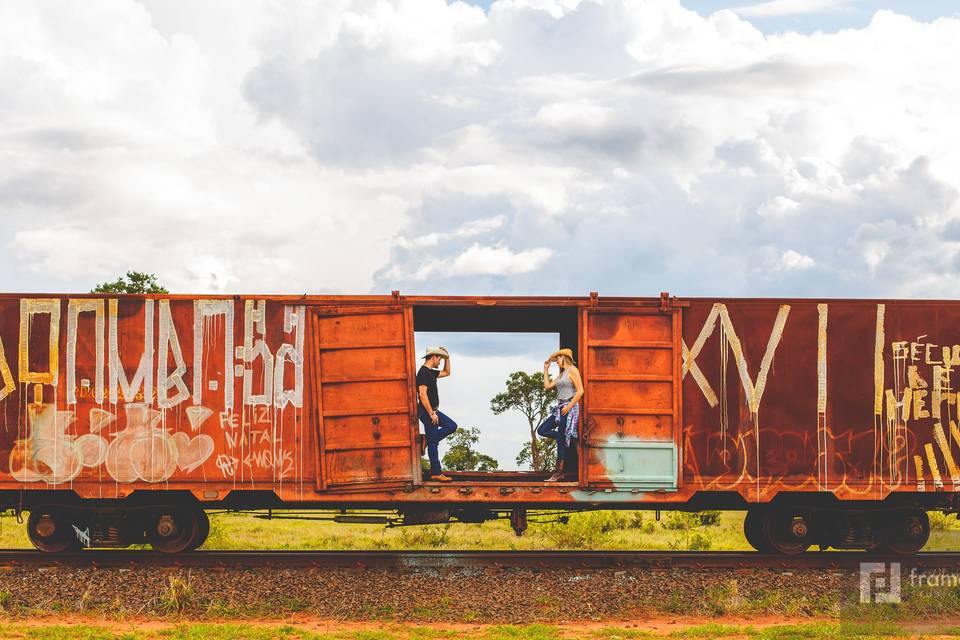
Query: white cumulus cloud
[(791, 260), (547, 146), (498, 261), (477, 260)]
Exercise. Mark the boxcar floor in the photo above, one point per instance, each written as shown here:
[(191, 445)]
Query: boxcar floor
[(535, 478)]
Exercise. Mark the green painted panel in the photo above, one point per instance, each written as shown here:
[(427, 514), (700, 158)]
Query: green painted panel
[(641, 465)]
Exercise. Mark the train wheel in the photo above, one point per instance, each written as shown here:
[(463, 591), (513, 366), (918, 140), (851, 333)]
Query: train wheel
[(51, 530), (203, 529), (907, 532), (753, 531), (787, 531), (175, 529)]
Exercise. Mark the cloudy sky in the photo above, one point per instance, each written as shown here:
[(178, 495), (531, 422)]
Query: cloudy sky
[(705, 147)]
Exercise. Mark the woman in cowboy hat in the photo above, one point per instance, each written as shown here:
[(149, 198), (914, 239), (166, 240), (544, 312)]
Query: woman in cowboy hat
[(436, 425), (563, 422)]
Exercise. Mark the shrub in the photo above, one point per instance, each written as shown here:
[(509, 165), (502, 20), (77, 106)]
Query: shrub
[(680, 521), (709, 518), (685, 524), (940, 521), (217, 538), (177, 596), (585, 530), (425, 536), (722, 599), (610, 520), (699, 542)]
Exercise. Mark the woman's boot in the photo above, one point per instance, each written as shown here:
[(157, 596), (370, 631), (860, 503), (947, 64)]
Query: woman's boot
[(557, 472)]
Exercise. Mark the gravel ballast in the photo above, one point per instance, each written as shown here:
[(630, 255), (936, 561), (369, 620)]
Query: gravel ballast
[(455, 594)]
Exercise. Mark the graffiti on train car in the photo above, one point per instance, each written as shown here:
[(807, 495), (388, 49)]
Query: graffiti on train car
[(139, 390), (914, 432), (922, 395)]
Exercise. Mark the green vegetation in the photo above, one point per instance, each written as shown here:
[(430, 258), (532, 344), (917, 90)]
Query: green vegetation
[(525, 393), (676, 530), (589, 530), (795, 631), (725, 596), (944, 532), (134, 282), (942, 522), (461, 455), (177, 596), (813, 631)]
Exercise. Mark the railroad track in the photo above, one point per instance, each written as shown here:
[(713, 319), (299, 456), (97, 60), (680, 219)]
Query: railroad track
[(409, 560)]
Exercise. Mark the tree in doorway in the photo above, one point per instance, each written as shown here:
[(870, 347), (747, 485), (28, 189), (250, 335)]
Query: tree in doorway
[(548, 454), (462, 457), (525, 393)]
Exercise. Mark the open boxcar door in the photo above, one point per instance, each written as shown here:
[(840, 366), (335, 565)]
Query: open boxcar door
[(632, 400), (362, 386)]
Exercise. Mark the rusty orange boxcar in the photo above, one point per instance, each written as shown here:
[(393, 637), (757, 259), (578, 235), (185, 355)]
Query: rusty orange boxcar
[(831, 422)]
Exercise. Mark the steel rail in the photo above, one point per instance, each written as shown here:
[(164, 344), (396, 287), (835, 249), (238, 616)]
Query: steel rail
[(458, 559)]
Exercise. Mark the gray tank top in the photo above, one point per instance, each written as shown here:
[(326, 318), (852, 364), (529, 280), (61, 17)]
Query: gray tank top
[(565, 388)]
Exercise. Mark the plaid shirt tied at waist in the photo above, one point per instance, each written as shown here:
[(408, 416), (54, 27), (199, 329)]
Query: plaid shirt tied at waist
[(573, 420)]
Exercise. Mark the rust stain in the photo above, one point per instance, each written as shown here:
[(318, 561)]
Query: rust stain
[(311, 397)]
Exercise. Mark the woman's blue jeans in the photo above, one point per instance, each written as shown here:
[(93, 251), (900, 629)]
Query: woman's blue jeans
[(549, 429)]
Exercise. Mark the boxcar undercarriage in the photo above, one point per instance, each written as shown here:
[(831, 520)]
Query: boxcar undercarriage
[(176, 522)]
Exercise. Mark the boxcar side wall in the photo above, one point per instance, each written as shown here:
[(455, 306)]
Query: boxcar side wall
[(312, 399), (104, 396), (853, 398)]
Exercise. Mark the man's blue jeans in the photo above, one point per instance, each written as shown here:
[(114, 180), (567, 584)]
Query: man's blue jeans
[(435, 433), (549, 429)]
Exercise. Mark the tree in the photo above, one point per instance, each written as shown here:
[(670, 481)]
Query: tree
[(548, 454), (462, 457), (525, 393), (134, 282)]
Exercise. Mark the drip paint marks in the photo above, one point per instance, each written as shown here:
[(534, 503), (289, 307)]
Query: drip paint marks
[(134, 390), (855, 398)]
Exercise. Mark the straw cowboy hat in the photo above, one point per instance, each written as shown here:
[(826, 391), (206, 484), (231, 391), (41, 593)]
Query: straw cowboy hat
[(562, 352), (436, 351)]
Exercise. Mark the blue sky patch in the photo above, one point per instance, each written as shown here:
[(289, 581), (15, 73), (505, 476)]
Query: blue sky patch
[(854, 14)]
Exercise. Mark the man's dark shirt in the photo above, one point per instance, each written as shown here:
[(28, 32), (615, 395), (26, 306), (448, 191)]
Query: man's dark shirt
[(427, 377)]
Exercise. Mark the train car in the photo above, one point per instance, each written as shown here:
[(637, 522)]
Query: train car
[(831, 422)]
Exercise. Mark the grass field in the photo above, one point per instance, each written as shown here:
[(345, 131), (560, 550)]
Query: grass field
[(594, 530), (813, 630)]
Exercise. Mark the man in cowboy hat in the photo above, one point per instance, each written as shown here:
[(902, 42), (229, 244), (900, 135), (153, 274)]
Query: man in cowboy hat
[(436, 425)]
